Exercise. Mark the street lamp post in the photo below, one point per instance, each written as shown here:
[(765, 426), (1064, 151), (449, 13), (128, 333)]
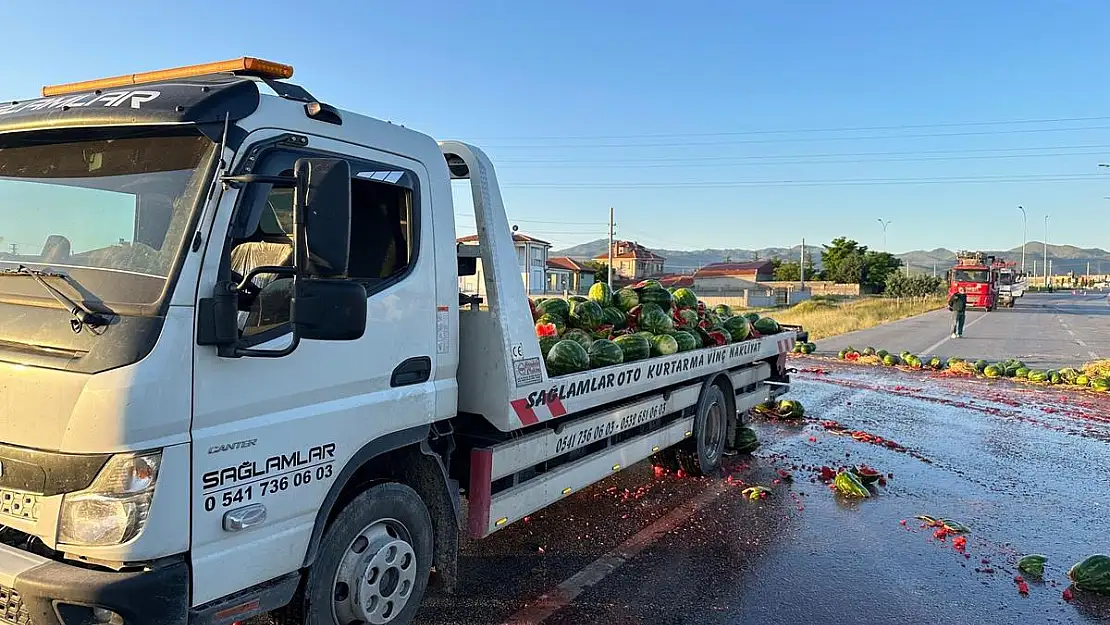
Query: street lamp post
[(1024, 237), (884, 225)]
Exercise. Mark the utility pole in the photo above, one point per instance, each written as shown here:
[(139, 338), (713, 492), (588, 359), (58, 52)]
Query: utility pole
[(934, 269), (1024, 237), (611, 225), (1034, 267), (14, 248), (1046, 250), (802, 265)]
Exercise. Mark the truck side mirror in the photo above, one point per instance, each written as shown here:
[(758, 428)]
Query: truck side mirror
[(322, 216), (329, 310)]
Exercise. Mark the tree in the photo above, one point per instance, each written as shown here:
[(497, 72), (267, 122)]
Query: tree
[(878, 266), (790, 271), (600, 269), (922, 285), (843, 260)]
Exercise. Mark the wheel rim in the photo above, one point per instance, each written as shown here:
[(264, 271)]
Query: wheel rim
[(376, 575), (713, 431)]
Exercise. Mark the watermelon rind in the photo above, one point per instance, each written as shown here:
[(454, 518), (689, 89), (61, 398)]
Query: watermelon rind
[(567, 356), (604, 353), (602, 294), (634, 346)]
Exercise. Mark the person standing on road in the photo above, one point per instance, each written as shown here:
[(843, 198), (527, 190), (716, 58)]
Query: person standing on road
[(957, 303)]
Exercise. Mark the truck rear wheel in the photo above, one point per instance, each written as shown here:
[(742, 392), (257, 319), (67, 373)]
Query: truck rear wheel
[(702, 455), (373, 564)]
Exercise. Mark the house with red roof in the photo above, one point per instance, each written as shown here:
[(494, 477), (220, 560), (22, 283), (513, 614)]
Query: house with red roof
[(632, 261), (566, 275)]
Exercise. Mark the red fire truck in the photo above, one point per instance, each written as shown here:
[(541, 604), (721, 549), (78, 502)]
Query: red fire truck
[(975, 276)]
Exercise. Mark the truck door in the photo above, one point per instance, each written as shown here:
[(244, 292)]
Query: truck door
[(270, 435)]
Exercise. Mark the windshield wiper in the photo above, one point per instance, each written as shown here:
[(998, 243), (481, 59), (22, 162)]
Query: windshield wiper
[(81, 316)]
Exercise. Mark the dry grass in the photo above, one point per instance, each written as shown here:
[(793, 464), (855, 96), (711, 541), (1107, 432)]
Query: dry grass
[(822, 318), (1097, 368)]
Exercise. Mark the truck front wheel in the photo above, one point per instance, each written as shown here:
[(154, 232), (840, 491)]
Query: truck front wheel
[(374, 561)]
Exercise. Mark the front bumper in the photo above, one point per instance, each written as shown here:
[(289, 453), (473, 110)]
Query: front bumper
[(38, 591)]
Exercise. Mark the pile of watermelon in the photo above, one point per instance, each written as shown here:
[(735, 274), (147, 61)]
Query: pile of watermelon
[(1087, 378), (636, 322)]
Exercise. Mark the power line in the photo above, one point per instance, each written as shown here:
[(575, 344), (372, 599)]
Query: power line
[(760, 157), (834, 182), (542, 221), (802, 130), (583, 146), (749, 161)]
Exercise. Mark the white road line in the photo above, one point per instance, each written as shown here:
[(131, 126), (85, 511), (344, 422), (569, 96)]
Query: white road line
[(933, 348), (1070, 332), (1080, 342), (1093, 355), (565, 593)]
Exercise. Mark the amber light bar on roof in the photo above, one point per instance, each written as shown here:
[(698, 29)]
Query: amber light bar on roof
[(247, 66)]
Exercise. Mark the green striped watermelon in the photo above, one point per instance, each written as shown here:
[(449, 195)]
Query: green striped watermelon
[(557, 307), (685, 341), (723, 310), (567, 356), (602, 294), (546, 343), (766, 325), (586, 315), (604, 353), (663, 345), (753, 317), (626, 299), (653, 319), (656, 296), (634, 346), (685, 298), (1092, 574), (614, 316), (580, 336), (739, 328)]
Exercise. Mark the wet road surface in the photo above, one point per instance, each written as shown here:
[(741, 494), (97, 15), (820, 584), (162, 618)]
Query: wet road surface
[(1024, 468), (1046, 330)]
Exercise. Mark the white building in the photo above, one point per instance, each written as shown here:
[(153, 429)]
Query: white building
[(531, 257)]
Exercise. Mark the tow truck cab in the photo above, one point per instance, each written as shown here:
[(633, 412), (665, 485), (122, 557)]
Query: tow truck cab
[(974, 277), (190, 259)]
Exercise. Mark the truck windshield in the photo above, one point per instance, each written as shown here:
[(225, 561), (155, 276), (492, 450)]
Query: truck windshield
[(112, 211), (1005, 278), (970, 275)]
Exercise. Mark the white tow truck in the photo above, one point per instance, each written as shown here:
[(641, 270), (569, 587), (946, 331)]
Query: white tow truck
[(237, 375)]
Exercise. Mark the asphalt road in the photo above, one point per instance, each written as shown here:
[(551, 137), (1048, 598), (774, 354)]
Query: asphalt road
[(1046, 330), (1023, 467)]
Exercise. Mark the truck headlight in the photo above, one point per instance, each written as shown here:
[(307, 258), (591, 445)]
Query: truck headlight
[(114, 508)]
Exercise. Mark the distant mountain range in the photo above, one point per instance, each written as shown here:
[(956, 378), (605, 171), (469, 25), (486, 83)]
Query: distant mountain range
[(1065, 258)]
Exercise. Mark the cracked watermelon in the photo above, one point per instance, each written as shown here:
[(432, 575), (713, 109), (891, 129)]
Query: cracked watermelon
[(634, 347), (1092, 574), (739, 328), (604, 353), (602, 294), (555, 320), (685, 298), (567, 356), (686, 318)]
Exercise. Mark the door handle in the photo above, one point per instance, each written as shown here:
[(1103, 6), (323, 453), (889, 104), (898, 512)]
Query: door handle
[(412, 371)]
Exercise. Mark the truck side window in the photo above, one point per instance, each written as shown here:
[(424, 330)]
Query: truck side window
[(270, 244), (381, 232)]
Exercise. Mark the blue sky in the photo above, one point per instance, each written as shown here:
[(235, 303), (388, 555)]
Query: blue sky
[(665, 110)]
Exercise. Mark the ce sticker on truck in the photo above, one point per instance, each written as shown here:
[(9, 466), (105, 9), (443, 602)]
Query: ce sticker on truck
[(251, 480)]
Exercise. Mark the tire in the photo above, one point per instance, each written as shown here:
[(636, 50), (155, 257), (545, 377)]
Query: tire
[(373, 563), (702, 455)]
